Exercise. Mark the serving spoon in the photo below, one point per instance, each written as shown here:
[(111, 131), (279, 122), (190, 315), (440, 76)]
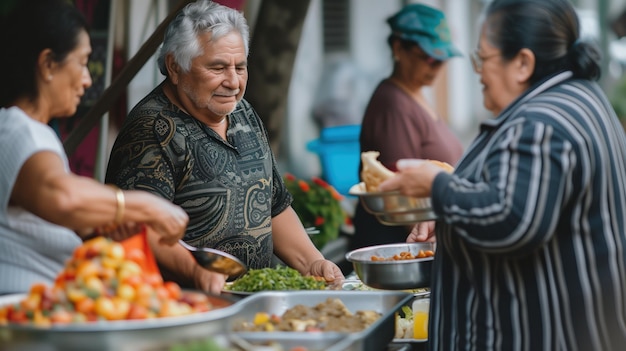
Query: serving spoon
[(216, 260)]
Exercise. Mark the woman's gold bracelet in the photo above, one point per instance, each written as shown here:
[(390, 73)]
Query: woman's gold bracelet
[(121, 204)]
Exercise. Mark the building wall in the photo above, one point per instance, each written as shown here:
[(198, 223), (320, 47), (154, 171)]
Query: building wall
[(145, 16), (348, 79)]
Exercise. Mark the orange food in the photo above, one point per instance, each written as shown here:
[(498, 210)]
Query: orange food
[(405, 255), (102, 281)]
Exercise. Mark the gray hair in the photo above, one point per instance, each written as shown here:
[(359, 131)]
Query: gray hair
[(181, 36)]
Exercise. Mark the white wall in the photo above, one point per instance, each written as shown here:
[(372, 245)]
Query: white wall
[(316, 75), (300, 127), (460, 75), (145, 16)]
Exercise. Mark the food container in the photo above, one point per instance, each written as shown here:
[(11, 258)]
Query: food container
[(392, 275), (413, 328), (135, 335), (393, 208), (376, 337), (421, 309)]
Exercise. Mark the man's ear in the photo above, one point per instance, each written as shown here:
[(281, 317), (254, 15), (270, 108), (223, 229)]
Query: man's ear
[(173, 69), (525, 64)]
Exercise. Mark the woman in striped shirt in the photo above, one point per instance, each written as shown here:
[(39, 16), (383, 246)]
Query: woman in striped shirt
[(532, 224)]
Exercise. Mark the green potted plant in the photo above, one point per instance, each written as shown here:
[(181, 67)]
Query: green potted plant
[(318, 205)]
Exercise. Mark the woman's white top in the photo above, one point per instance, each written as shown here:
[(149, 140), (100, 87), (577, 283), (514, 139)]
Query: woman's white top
[(32, 250)]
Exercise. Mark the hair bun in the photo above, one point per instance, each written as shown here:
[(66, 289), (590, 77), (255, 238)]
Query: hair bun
[(585, 58)]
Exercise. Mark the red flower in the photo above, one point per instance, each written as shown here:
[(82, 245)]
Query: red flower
[(319, 181), (335, 194), (317, 204), (304, 186), (319, 221)]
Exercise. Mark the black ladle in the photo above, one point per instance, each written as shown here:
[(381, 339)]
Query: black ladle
[(216, 260)]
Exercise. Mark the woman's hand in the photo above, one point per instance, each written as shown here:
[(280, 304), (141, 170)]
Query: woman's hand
[(414, 178), (168, 220), (208, 281), (422, 231), (327, 269)]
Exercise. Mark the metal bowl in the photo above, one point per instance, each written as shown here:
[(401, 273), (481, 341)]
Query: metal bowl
[(123, 335), (393, 208), (406, 218), (392, 275)]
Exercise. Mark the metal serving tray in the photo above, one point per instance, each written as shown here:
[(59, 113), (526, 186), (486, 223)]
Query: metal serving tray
[(374, 338), (131, 335)]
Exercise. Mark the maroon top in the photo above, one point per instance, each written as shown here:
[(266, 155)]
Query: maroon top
[(398, 127)]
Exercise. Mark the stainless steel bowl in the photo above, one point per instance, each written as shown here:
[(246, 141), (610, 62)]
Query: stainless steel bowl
[(392, 275), (406, 218), (123, 335), (393, 208)]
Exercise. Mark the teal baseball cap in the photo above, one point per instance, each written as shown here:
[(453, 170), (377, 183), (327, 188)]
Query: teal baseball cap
[(427, 27)]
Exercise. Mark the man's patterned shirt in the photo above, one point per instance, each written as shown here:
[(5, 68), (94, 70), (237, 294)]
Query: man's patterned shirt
[(229, 188)]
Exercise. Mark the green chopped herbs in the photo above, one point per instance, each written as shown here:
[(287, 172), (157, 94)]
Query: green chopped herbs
[(408, 312), (279, 278)]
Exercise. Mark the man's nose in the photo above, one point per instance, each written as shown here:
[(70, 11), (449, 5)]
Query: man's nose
[(230, 77)]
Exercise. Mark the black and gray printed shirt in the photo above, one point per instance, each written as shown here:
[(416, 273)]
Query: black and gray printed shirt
[(229, 188), (531, 242)]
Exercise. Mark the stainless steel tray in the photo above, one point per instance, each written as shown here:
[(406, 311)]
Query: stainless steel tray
[(129, 335), (375, 338)]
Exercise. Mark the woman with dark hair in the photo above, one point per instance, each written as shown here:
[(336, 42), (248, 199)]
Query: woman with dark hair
[(399, 121), (531, 234), (46, 209)]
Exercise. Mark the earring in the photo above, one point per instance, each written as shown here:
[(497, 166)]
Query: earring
[(49, 77)]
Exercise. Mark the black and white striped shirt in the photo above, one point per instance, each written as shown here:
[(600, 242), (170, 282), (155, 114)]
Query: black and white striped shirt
[(532, 238)]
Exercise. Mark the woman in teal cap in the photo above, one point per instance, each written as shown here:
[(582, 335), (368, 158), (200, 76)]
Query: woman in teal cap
[(399, 122)]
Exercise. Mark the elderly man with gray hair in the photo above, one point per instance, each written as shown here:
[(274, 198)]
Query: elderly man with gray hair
[(195, 141)]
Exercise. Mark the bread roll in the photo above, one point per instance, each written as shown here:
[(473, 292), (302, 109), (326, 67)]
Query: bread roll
[(373, 172)]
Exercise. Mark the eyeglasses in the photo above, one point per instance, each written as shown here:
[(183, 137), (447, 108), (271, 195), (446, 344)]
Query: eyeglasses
[(478, 61)]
